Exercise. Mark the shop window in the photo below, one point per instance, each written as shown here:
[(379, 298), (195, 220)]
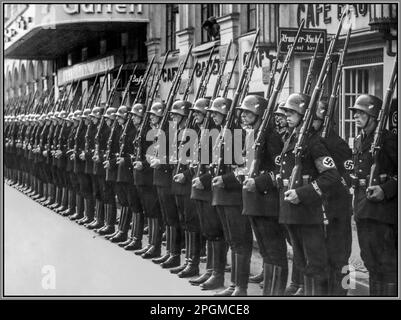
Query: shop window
[(207, 11), (251, 17), (171, 18), (357, 80)]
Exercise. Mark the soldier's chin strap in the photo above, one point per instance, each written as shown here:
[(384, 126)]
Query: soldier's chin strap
[(365, 127)]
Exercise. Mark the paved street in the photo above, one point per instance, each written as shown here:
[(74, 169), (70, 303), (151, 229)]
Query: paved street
[(40, 244), (84, 264)]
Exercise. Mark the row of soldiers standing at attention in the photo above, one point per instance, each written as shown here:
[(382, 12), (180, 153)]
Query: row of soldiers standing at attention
[(295, 190)]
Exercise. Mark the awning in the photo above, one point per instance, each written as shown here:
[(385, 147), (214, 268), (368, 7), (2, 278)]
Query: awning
[(50, 42)]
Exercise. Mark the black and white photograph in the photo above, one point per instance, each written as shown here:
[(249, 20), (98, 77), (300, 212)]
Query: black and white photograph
[(190, 150)]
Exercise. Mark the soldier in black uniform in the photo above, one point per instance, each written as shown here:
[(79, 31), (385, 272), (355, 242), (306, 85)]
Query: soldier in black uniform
[(210, 224), (301, 208), (110, 164), (375, 207), (61, 157), (72, 179), (261, 198), (86, 155), (56, 174), (126, 192), (106, 177), (48, 161), (79, 166), (181, 188), (143, 179), (162, 181), (95, 116), (338, 206), (41, 159), (227, 197)]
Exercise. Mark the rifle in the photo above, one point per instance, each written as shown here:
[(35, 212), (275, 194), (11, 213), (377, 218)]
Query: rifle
[(374, 178), (295, 178), (125, 94), (149, 88), (308, 80), (144, 82), (200, 92), (173, 91), (208, 120), (230, 118), (159, 75), (269, 111), (202, 87), (327, 123), (143, 129)]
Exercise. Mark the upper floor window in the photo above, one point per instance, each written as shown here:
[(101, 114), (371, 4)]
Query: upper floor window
[(251, 17), (171, 14), (207, 11)]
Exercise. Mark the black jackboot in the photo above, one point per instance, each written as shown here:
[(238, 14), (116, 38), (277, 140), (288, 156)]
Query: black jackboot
[(209, 266), (126, 216), (296, 286), (136, 242), (150, 232), (229, 291), (192, 268), (45, 193), (130, 237), (79, 208), (174, 259), (155, 249), (57, 201), (89, 211), (242, 267), (219, 262), (258, 278), (275, 279), (71, 204), (168, 247), (110, 219), (98, 222), (64, 201), (183, 266)]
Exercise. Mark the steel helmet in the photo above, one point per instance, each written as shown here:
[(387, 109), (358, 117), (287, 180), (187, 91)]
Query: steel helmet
[(86, 113), (70, 117), (369, 104), (220, 105), (77, 114), (122, 112), (138, 109), (62, 114), (181, 107), (157, 109), (97, 112), (253, 103), (279, 109), (110, 113), (297, 102), (55, 115), (201, 105)]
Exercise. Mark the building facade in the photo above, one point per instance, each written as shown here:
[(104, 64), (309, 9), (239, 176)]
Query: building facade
[(48, 45)]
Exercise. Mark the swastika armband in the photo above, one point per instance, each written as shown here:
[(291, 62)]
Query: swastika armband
[(324, 163), (349, 165)]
